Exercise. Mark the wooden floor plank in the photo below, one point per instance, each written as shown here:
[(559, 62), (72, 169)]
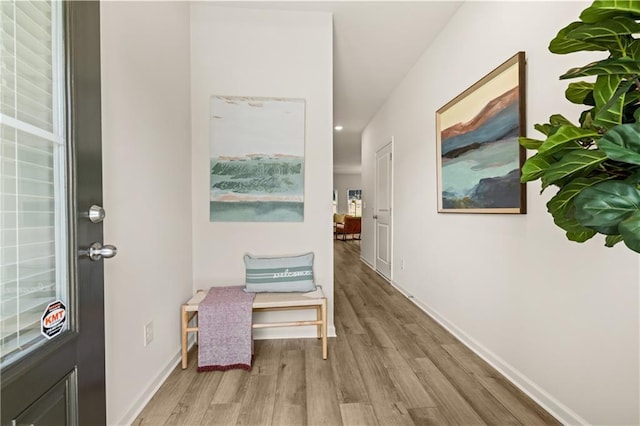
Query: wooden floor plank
[(391, 364), (322, 402), (195, 401), (348, 381), (357, 414), (258, 403), (410, 389), (449, 400), (392, 414), (482, 401), (346, 315), (221, 415), (290, 407), (160, 407), (375, 376), (521, 406), (266, 357), (232, 387), (430, 416)]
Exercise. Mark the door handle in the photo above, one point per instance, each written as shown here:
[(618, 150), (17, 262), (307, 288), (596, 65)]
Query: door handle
[(97, 251), (375, 216)]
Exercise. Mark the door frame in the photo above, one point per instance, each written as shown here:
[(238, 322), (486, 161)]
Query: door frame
[(375, 210)]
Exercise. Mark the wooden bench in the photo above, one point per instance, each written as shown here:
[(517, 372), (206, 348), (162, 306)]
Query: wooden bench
[(265, 302)]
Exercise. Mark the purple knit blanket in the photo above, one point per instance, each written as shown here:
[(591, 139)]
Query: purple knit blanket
[(224, 329)]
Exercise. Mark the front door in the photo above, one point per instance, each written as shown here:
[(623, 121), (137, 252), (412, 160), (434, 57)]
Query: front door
[(52, 299), (382, 216)]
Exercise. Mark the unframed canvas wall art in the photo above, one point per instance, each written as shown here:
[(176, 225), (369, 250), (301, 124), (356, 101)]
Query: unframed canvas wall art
[(257, 159), (479, 157)]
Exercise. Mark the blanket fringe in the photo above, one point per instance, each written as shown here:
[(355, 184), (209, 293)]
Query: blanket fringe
[(224, 367)]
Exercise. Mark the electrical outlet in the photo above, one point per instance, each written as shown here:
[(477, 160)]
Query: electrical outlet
[(148, 333)]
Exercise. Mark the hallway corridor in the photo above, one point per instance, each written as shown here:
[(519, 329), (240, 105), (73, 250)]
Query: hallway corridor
[(391, 364)]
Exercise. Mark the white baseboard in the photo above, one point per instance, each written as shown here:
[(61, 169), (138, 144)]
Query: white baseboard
[(554, 407), (151, 390)]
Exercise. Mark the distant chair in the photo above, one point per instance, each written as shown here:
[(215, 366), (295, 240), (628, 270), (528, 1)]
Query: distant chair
[(351, 226), (338, 222)]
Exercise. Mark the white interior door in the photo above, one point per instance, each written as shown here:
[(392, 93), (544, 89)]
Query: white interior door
[(382, 216)]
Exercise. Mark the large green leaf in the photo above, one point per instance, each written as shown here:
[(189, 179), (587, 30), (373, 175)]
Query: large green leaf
[(622, 143), (606, 204), (581, 93), (630, 231), (603, 9), (604, 88), (574, 231), (609, 101), (609, 28), (561, 44), (563, 210), (612, 113), (578, 162), (634, 178), (563, 200), (529, 143), (631, 96), (566, 135), (633, 49), (613, 33), (580, 236), (623, 66), (545, 128), (612, 240), (560, 120), (534, 167), (586, 119), (607, 230)]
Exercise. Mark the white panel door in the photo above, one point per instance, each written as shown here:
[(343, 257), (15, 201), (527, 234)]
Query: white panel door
[(382, 216)]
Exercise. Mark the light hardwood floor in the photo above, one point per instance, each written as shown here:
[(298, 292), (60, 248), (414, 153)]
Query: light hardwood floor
[(391, 364)]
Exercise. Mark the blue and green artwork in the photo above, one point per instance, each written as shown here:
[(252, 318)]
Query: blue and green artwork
[(479, 155), (257, 160)]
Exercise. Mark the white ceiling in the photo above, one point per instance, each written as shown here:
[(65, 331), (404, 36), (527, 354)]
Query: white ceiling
[(375, 43)]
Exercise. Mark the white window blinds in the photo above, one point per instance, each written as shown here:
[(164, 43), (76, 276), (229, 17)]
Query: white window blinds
[(33, 262)]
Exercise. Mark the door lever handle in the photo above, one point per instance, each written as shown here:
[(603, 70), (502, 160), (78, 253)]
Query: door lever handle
[(97, 251), (375, 216)]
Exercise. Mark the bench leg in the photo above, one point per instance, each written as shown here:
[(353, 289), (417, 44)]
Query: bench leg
[(319, 318), (185, 324), (324, 328)]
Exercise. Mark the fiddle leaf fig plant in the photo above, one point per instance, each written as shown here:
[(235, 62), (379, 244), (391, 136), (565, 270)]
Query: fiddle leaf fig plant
[(595, 162)]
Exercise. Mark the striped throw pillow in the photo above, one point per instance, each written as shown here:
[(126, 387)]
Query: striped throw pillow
[(279, 274)]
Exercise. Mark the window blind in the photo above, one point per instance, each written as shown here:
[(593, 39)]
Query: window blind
[(32, 200)]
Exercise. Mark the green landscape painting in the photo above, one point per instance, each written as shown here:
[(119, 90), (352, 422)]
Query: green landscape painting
[(257, 159)]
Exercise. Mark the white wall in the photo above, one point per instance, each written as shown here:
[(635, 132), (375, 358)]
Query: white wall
[(561, 319), (147, 177), (245, 52), (342, 182)]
